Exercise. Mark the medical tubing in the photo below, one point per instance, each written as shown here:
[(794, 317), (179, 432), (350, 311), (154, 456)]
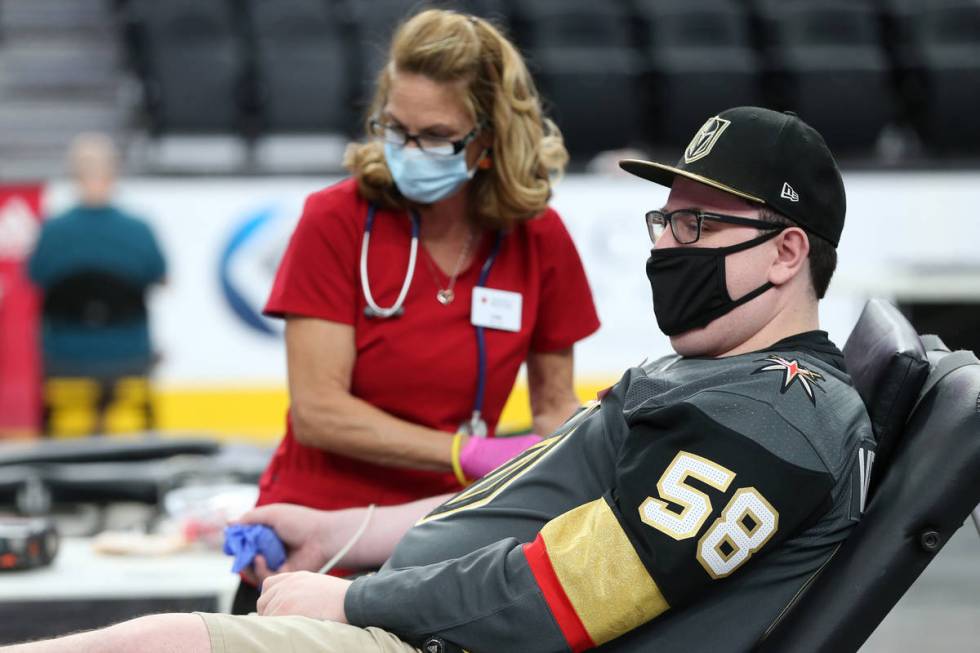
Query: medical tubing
[(409, 273), (350, 543)]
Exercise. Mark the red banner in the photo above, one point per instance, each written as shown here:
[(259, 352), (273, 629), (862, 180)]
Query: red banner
[(20, 361)]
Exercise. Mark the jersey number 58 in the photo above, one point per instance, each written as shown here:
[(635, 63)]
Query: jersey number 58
[(745, 525)]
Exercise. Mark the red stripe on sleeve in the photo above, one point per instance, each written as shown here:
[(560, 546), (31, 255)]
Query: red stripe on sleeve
[(571, 626)]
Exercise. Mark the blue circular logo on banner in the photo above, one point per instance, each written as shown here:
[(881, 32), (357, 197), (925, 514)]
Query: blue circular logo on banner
[(246, 235)]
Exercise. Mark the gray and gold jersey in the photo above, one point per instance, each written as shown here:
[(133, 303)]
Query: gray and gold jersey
[(682, 512)]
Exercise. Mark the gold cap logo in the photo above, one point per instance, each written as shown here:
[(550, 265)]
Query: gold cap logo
[(700, 146)]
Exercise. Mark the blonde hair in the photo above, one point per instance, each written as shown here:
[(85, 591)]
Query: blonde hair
[(528, 151)]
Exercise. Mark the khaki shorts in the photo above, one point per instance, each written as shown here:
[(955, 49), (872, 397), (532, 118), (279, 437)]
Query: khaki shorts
[(241, 634)]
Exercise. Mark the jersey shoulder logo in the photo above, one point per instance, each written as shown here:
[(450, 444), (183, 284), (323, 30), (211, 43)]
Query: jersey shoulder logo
[(702, 143), (793, 373)]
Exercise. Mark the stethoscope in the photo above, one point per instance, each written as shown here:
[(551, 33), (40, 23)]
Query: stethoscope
[(475, 424)]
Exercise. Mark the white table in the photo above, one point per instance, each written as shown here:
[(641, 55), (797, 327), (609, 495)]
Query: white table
[(82, 583)]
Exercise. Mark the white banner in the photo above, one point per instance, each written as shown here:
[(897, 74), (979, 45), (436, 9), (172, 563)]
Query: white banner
[(223, 239)]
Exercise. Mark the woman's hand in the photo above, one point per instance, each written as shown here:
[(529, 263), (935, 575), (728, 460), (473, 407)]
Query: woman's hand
[(480, 456)]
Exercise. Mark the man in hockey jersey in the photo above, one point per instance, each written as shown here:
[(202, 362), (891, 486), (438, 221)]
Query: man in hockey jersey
[(684, 511)]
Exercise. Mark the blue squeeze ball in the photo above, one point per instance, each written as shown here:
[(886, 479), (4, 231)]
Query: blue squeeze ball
[(245, 541)]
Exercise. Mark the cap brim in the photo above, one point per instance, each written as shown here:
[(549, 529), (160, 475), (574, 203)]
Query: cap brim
[(664, 175)]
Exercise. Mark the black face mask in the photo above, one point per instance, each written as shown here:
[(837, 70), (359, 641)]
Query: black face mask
[(689, 288)]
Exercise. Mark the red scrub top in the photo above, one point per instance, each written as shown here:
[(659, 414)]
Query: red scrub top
[(421, 366)]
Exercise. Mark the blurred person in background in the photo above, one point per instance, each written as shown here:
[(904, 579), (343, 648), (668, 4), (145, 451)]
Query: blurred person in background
[(94, 264), (414, 290)]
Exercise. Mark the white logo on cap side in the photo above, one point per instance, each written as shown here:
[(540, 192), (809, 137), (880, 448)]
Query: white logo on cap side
[(703, 141), (788, 193)]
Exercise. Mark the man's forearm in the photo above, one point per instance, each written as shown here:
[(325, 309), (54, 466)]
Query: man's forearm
[(387, 527), (486, 600)]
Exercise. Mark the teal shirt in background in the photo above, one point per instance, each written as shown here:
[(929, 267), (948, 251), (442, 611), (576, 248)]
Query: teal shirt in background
[(102, 239)]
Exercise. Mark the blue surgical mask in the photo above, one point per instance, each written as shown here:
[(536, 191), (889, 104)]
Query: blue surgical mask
[(426, 178)]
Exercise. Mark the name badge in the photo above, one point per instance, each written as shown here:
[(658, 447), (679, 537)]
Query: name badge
[(496, 309)]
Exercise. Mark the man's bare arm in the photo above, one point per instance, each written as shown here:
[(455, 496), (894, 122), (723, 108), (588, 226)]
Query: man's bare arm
[(312, 537)]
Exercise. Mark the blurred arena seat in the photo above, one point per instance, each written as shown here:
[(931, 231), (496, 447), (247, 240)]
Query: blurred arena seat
[(193, 64), (828, 64), (189, 57), (937, 47), (303, 76), (570, 23), (304, 79), (700, 59), (496, 11), (372, 26), (582, 57), (614, 74), (58, 76)]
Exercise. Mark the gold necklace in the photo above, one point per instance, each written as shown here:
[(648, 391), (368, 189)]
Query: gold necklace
[(445, 296)]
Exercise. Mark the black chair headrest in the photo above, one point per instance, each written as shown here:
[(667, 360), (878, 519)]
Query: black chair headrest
[(888, 364)]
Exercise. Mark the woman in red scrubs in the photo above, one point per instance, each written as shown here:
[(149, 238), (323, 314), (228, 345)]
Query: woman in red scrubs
[(414, 290)]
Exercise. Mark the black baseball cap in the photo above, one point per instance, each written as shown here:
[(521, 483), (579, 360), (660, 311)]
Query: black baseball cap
[(763, 156)]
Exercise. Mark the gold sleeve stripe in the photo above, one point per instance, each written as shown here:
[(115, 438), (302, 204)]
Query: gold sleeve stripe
[(602, 575)]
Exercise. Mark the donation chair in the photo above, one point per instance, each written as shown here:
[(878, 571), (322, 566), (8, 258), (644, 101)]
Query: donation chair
[(924, 404)]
